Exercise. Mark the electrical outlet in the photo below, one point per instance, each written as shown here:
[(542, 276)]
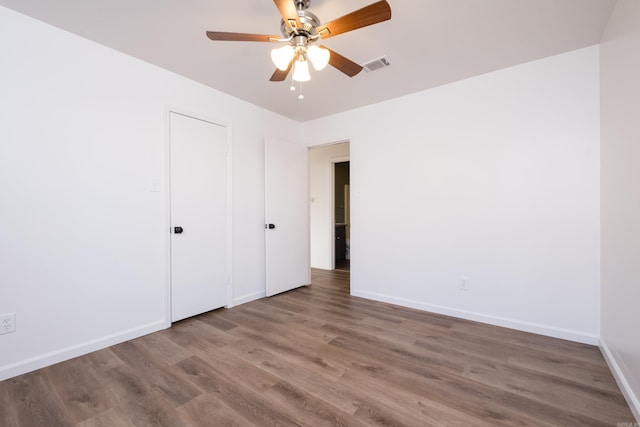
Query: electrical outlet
[(7, 323), (464, 283)]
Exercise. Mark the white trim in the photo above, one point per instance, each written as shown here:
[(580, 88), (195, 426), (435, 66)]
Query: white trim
[(168, 109), (323, 267), (535, 328), (332, 216), (340, 159), (57, 356), (166, 200), (625, 387), (230, 302), (250, 297)]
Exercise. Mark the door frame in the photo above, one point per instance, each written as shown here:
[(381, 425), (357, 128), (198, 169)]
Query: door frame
[(166, 202)]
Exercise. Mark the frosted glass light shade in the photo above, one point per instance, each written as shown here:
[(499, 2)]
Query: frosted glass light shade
[(319, 57), (282, 56), (301, 71)]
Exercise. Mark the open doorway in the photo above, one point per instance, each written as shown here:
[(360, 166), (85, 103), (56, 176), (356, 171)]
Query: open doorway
[(327, 207), (342, 203)]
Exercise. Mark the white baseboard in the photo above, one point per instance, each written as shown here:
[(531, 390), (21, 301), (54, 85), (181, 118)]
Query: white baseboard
[(57, 356), (248, 298), (627, 391), (322, 267), (546, 330)]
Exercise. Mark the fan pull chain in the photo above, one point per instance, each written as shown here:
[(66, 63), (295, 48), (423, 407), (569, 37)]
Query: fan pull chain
[(293, 88)]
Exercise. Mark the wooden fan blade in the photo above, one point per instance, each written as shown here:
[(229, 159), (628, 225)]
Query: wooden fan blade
[(289, 13), (343, 64), (239, 37), (368, 15), (279, 75)]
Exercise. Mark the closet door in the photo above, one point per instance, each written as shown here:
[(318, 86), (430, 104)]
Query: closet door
[(199, 216), (288, 262)]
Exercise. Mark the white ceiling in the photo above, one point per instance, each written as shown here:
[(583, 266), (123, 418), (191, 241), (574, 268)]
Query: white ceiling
[(428, 42)]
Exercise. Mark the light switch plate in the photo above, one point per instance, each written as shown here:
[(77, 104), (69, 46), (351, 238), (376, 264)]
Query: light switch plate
[(154, 185)]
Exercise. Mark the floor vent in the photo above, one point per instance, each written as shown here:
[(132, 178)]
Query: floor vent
[(376, 64)]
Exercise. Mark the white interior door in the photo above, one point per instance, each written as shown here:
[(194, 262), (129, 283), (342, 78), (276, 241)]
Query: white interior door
[(287, 216), (199, 216)]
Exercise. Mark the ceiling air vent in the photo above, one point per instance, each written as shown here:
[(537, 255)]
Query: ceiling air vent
[(376, 64)]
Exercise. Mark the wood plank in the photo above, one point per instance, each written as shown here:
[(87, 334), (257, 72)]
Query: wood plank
[(162, 377), (79, 389), (112, 417), (195, 335), (308, 410), (207, 411), (143, 404), (298, 373), (101, 360), (34, 401), (236, 396)]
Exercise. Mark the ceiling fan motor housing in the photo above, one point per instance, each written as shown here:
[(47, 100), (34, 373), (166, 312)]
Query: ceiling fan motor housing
[(308, 21)]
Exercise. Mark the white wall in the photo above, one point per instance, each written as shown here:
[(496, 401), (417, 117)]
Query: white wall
[(494, 178), (82, 240), (321, 190), (620, 211)]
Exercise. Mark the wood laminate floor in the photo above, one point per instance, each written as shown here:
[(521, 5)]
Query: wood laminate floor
[(343, 265), (316, 356)]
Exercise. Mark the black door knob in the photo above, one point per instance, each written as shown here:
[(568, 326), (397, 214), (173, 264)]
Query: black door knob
[(270, 226), (178, 230)]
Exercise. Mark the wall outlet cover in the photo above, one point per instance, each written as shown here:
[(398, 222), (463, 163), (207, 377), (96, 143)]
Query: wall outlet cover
[(7, 323)]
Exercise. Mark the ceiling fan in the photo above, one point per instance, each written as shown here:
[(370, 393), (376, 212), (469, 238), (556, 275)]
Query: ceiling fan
[(301, 30)]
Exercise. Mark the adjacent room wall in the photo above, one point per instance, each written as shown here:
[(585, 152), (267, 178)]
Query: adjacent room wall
[(321, 161), (491, 181), (620, 211), (83, 240)]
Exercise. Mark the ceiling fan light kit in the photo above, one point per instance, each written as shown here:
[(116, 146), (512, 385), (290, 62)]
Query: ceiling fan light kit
[(319, 57), (301, 70), (301, 30), (282, 56)]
